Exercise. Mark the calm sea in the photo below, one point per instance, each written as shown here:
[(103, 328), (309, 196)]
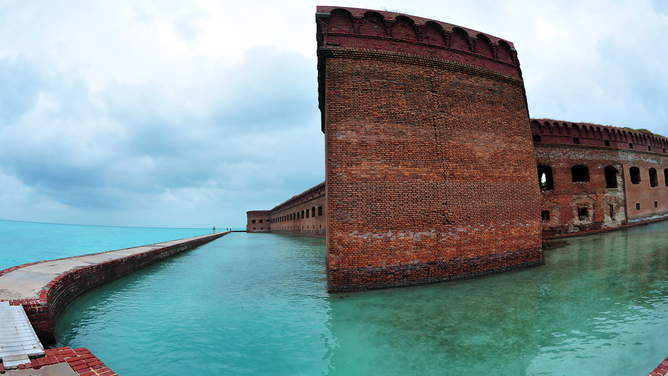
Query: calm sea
[(24, 242), (256, 304)]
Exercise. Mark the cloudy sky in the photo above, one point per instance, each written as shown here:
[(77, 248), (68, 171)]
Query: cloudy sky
[(177, 113)]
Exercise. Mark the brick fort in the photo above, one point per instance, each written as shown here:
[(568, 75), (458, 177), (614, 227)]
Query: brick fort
[(434, 169)]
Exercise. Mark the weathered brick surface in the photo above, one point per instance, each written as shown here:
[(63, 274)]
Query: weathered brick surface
[(607, 208), (429, 165), (303, 214)]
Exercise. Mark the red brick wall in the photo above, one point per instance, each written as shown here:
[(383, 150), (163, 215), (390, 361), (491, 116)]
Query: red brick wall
[(430, 165), (561, 145), (307, 218), (258, 221)]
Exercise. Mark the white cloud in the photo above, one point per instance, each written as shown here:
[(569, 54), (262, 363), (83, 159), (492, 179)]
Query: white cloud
[(172, 113)]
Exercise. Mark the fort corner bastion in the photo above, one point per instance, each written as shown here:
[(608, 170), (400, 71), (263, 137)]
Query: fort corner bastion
[(430, 164), (434, 170)]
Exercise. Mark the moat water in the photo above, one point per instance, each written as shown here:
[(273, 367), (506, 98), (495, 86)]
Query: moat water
[(257, 304)]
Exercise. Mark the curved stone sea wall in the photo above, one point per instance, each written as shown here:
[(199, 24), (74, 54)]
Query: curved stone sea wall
[(81, 275)]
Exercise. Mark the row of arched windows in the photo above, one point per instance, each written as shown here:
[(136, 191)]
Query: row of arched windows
[(580, 173), (306, 213)]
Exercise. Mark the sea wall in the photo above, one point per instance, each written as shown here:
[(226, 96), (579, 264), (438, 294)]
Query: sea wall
[(45, 310), (429, 157)]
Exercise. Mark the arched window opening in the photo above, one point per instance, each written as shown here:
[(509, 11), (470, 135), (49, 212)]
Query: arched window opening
[(313, 211), (635, 175), (611, 177), (665, 176), (653, 180), (580, 173), (545, 178)]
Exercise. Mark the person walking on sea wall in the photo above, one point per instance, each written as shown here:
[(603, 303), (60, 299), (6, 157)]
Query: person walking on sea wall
[(214, 229)]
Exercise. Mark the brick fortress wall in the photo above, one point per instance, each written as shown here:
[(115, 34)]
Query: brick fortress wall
[(303, 214), (603, 195), (429, 161)]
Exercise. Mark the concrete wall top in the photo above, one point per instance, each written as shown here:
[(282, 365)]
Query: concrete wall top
[(560, 132), (340, 27)]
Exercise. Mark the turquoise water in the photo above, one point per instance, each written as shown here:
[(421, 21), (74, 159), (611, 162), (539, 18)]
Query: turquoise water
[(24, 242), (256, 304)]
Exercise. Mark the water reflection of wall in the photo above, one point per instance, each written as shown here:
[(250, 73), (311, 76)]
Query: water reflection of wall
[(598, 306)]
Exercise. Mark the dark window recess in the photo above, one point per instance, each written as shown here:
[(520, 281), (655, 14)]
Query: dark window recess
[(649, 148), (307, 213), (612, 211), (580, 173), (320, 208), (536, 138), (653, 180), (576, 140), (607, 143), (313, 211), (260, 221), (545, 178), (261, 228), (253, 222), (637, 206), (582, 213), (656, 204), (635, 175), (268, 220), (611, 177), (630, 146), (665, 176), (545, 215)]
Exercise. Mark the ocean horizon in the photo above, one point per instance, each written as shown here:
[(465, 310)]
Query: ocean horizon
[(23, 242)]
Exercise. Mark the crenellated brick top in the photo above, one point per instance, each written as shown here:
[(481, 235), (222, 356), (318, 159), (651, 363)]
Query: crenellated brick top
[(309, 194), (395, 32), (549, 131), (257, 213)]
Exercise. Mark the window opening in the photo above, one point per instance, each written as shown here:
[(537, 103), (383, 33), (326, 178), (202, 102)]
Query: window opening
[(582, 213), (653, 180), (576, 140), (545, 215), (313, 211), (536, 138), (580, 173), (260, 221), (656, 203), (635, 175), (320, 207), (607, 143), (253, 221), (637, 206), (612, 211), (610, 177), (545, 178), (630, 146), (665, 176)]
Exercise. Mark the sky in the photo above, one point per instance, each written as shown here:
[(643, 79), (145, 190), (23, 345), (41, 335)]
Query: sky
[(179, 113)]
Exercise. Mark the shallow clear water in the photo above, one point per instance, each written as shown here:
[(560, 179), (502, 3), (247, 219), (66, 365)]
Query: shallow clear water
[(25, 242), (257, 304)]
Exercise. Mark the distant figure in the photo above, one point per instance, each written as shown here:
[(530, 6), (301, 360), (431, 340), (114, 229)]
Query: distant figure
[(214, 229)]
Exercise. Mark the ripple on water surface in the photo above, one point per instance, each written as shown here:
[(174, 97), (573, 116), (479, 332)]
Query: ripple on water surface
[(257, 304)]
